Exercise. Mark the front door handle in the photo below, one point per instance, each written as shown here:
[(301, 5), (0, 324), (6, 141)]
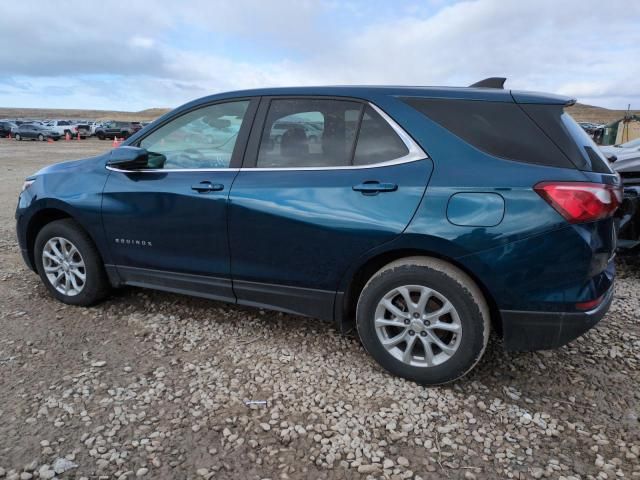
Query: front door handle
[(373, 187), (206, 187)]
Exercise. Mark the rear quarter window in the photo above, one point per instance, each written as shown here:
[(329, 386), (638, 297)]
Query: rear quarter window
[(569, 136), (501, 129)]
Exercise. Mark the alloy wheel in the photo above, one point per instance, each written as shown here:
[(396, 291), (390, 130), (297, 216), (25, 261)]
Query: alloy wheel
[(418, 326), (64, 266)]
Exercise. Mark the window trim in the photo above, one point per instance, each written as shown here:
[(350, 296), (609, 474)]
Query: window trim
[(251, 143)]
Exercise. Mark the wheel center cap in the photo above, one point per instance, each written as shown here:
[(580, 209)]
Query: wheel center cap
[(417, 325)]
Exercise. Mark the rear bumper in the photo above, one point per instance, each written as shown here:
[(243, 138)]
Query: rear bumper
[(529, 331)]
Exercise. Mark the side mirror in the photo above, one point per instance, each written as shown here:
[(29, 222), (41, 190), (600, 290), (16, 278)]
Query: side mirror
[(128, 158)]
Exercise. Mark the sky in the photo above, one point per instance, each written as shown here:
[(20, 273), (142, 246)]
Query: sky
[(161, 53)]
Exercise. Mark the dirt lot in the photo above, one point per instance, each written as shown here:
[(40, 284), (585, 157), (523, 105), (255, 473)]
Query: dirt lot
[(154, 385)]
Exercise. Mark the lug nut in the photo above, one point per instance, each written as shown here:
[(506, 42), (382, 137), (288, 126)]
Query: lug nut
[(407, 321), (416, 315), (411, 332), (424, 334), (427, 323)]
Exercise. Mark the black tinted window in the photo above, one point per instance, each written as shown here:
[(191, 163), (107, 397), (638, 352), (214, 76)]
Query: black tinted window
[(377, 141), (308, 133), (501, 129)]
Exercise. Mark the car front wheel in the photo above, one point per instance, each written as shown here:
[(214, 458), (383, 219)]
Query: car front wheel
[(69, 264), (41, 138), (18, 137), (423, 319)]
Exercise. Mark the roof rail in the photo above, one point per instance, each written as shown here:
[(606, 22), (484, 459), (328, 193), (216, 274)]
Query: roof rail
[(491, 82)]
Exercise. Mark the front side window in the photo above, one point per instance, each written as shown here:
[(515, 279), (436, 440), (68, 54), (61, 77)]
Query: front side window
[(203, 138)]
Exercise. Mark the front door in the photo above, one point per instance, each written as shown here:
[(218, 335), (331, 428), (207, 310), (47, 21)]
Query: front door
[(167, 224), (324, 181)]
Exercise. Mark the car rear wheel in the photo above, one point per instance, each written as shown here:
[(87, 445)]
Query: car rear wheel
[(18, 137), (40, 137), (423, 319), (100, 136), (69, 264)]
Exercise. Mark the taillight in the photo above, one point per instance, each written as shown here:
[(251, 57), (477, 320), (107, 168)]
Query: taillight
[(589, 305), (581, 202)]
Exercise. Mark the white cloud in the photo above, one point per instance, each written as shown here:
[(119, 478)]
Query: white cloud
[(142, 42), (154, 54)]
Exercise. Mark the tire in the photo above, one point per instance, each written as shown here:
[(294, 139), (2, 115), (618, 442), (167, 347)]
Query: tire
[(441, 282), (18, 137), (95, 286), (41, 138), (100, 136)]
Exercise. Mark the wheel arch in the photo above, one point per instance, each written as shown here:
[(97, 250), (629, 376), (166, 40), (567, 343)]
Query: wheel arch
[(346, 304), (43, 217)]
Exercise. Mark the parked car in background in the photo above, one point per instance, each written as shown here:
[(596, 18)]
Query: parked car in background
[(62, 127), (94, 126), (595, 130), (32, 131), (7, 128), (424, 217), (117, 129), (82, 129), (623, 151), (628, 166)]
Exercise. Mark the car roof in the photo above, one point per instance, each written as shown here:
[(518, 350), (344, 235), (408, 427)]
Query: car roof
[(372, 92), (367, 91)]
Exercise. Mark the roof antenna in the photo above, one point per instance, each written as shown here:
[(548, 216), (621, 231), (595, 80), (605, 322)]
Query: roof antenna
[(491, 82)]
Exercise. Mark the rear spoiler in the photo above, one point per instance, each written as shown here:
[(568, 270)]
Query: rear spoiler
[(491, 82)]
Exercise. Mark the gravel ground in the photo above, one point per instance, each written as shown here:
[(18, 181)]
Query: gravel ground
[(155, 385)]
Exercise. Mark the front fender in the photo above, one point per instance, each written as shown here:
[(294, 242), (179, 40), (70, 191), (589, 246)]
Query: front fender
[(72, 189)]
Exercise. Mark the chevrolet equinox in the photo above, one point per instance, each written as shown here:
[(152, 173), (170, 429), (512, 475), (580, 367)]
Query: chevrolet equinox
[(425, 217)]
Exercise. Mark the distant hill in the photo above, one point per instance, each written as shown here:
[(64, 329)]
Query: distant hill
[(590, 113), (581, 112), (51, 113)]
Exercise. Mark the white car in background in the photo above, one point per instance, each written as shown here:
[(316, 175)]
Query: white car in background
[(630, 149), (61, 126), (94, 126)]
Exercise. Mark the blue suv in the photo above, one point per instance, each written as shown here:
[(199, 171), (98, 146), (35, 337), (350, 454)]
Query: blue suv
[(424, 217)]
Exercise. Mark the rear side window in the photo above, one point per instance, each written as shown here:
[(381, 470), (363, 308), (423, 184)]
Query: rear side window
[(377, 141), (501, 129), (310, 132)]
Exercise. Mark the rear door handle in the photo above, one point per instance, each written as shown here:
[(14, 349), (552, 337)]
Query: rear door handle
[(372, 187), (206, 187)]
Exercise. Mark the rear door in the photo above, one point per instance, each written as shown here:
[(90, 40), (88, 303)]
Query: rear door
[(324, 180)]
